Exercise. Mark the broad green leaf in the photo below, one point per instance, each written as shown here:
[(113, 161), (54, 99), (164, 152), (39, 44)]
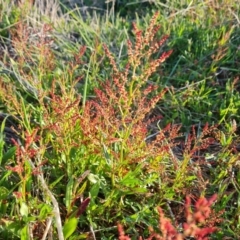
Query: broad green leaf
[(94, 190), (24, 209), (93, 178), (73, 153), (69, 227), (24, 233)]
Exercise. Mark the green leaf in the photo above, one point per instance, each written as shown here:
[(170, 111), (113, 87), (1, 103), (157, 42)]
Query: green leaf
[(69, 193), (45, 211), (83, 236), (73, 153), (131, 178), (93, 178), (24, 233), (82, 189), (24, 209), (225, 199), (94, 190), (2, 142), (3, 193), (52, 185), (5, 177), (69, 227), (8, 155)]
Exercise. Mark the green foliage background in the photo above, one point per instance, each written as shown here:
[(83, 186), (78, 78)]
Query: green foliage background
[(202, 78)]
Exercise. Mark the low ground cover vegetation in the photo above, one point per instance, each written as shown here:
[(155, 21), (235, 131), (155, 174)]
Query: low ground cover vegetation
[(119, 120)]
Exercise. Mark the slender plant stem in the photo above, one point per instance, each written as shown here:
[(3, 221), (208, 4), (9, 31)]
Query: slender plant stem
[(49, 223), (56, 210)]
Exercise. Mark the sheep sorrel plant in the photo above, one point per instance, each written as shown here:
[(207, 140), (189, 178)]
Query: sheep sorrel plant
[(82, 165), (107, 137), (117, 119), (104, 139), (115, 132), (198, 225)]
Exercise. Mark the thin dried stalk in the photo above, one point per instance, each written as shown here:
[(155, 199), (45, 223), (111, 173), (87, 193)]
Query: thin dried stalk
[(49, 223), (47, 191)]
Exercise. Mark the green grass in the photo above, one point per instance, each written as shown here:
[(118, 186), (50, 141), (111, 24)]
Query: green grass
[(99, 142)]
